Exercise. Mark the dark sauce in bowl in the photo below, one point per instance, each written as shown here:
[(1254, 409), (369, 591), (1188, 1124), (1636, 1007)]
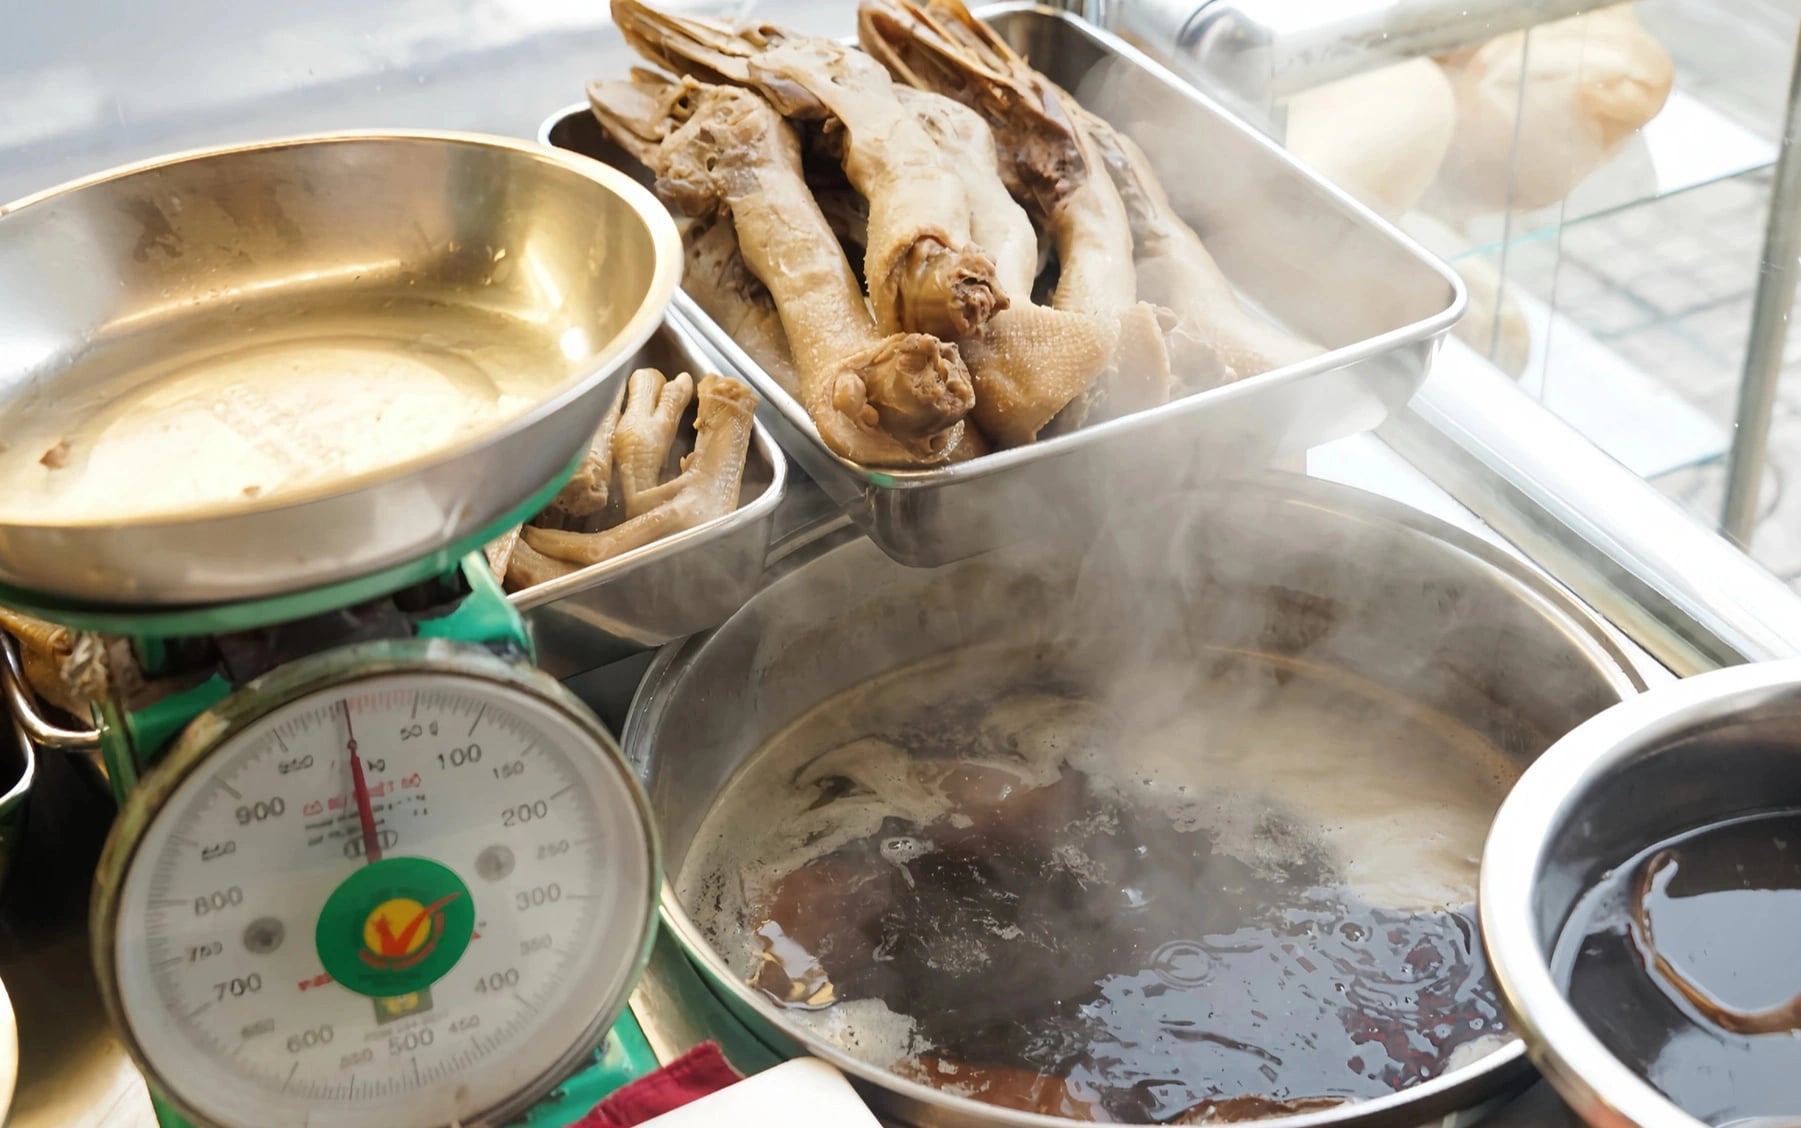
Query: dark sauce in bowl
[(1686, 963)]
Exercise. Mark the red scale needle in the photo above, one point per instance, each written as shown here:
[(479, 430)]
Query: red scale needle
[(365, 812)]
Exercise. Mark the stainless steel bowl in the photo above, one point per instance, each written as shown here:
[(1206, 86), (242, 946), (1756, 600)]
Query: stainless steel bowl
[(1279, 566), (219, 281), (1707, 749)]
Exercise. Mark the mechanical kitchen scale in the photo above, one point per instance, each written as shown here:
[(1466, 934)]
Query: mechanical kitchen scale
[(370, 866)]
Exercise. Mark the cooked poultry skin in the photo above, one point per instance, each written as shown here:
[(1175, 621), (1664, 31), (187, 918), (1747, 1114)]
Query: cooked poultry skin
[(941, 48), (1056, 147), (925, 273), (590, 489), (724, 287), (1217, 339), (706, 488), (646, 432), (896, 400), (1096, 352)]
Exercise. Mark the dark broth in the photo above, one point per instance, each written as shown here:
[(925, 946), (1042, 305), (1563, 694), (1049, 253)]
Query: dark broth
[(1103, 909), (1043, 935), (1725, 914)]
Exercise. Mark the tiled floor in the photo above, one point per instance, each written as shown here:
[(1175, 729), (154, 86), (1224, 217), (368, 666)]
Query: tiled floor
[(1669, 285)]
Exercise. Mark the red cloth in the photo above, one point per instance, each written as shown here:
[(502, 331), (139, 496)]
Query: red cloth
[(698, 1073)]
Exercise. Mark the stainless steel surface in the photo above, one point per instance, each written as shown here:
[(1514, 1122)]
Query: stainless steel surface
[(1300, 248), (73, 1072), (1254, 52), (1710, 748), (224, 270), (18, 772), (23, 706), (9, 1053), (677, 1012), (1769, 329), (676, 586), (1531, 665), (1673, 586)]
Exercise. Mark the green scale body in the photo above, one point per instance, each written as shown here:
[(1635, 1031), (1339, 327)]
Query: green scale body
[(170, 689)]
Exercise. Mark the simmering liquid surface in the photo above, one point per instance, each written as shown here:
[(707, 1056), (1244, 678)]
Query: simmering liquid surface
[(1227, 892), (1724, 913)]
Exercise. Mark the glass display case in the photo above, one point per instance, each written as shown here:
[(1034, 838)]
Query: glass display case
[(1602, 180)]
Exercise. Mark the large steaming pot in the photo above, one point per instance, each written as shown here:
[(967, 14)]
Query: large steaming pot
[(1280, 565)]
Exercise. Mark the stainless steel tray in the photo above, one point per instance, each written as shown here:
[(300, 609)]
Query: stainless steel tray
[(676, 586), (1306, 253)]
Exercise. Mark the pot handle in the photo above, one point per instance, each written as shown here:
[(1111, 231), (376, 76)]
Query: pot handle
[(25, 711)]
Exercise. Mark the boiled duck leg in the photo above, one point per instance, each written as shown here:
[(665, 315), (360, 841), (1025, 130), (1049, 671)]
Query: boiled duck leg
[(1217, 337), (895, 400), (1097, 351), (722, 285), (925, 272)]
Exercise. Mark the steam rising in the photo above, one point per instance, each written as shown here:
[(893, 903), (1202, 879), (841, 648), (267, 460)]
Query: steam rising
[(1265, 663)]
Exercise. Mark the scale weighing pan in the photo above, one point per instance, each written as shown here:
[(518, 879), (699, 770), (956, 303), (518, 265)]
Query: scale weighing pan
[(239, 372)]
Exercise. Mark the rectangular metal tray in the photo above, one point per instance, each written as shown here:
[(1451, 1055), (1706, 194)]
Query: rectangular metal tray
[(673, 587), (1294, 245)]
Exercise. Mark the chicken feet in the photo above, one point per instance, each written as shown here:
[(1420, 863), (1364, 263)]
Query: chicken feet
[(587, 492), (925, 272), (706, 488), (895, 400), (646, 431)]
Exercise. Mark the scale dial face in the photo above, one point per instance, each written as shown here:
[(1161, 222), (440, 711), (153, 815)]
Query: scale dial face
[(269, 973)]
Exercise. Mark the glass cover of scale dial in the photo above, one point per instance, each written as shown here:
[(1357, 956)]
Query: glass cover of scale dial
[(297, 947)]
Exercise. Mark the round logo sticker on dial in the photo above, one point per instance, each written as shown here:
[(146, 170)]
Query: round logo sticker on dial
[(395, 927)]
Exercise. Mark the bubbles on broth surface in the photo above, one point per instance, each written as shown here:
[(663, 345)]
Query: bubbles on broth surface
[(1115, 900)]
